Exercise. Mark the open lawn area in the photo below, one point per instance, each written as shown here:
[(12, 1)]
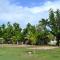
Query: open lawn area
[(24, 53)]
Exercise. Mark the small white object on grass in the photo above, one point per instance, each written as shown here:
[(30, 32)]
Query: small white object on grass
[(29, 52)]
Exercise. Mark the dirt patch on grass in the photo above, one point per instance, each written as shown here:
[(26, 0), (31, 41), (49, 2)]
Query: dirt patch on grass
[(43, 47), (28, 46), (13, 45)]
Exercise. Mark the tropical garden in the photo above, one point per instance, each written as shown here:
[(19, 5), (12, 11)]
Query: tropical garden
[(40, 34)]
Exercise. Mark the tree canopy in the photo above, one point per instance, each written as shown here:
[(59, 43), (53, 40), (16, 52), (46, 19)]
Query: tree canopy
[(42, 33)]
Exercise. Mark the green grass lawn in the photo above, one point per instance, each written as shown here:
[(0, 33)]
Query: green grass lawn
[(22, 54)]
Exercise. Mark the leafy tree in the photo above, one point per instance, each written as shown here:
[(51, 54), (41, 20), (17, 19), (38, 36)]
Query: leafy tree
[(42, 31), (30, 33), (54, 23), (8, 32), (17, 35), (0, 32)]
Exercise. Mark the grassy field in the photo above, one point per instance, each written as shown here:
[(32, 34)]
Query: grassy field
[(16, 53)]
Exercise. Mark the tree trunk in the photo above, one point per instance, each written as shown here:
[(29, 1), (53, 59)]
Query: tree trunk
[(57, 42), (17, 42)]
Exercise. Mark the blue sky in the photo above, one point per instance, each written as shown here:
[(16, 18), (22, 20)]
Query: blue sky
[(24, 11), (29, 3)]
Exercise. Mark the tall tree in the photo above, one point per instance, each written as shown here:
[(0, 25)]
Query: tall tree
[(8, 32), (42, 31), (17, 35), (30, 33), (54, 23)]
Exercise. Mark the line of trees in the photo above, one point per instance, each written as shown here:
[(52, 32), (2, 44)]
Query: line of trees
[(42, 33)]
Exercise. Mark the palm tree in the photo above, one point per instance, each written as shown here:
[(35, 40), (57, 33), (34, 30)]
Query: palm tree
[(54, 24)]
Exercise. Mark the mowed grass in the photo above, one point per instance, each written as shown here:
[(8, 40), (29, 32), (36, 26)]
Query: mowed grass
[(8, 53)]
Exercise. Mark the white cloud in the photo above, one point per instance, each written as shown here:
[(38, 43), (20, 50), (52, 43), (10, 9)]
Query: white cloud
[(46, 6), (23, 15)]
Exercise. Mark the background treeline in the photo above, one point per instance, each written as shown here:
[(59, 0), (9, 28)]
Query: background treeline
[(41, 34)]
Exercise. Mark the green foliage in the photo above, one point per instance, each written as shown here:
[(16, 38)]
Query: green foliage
[(30, 33), (33, 33), (54, 23)]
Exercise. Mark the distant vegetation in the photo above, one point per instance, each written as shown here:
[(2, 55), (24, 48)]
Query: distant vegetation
[(41, 34)]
